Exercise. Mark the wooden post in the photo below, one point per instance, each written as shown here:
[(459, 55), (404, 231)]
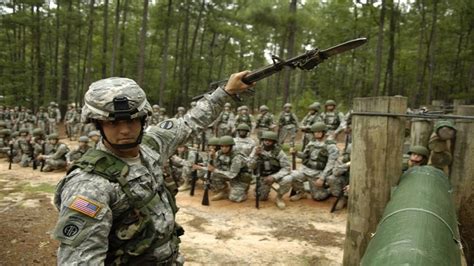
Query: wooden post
[(421, 130), (462, 179), (376, 166), (437, 105)]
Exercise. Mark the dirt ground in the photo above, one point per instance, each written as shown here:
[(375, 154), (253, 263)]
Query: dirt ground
[(222, 233)]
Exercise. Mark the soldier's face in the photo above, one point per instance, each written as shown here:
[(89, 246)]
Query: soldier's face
[(330, 108), (122, 131), (53, 141), (226, 149), (82, 144), (181, 149), (416, 159), (318, 135), (243, 111), (242, 133), (268, 142), (287, 109)]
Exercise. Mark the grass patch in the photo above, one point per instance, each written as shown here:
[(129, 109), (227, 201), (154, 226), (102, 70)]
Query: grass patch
[(42, 187)]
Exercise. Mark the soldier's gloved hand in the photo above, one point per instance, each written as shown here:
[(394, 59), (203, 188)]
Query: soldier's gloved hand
[(269, 180), (235, 85), (319, 182)]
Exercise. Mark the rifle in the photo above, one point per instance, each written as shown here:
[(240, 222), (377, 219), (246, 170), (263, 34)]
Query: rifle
[(194, 176), (207, 186), (257, 184), (43, 145), (333, 208), (293, 167), (306, 61), (32, 154), (10, 157), (203, 140)]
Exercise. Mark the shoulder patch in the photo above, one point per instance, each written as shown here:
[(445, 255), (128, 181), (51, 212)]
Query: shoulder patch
[(85, 206), (168, 124)]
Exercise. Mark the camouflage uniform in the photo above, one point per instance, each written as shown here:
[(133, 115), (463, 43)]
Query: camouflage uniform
[(231, 167), (69, 120), (309, 120), (77, 153), (4, 142), (55, 154), (131, 216), (224, 123), (180, 113), (30, 120), (319, 158), (244, 117), (38, 142), (340, 174), (42, 119), (182, 164), (287, 125), (20, 121), (155, 118), (273, 162), (264, 121), (334, 120), (25, 148), (244, 143), (54, 117)]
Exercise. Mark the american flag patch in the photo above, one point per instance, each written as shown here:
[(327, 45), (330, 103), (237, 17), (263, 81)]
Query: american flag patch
[(85, 206)]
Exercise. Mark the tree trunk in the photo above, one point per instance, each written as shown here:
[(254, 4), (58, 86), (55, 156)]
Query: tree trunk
[(164, 62), (115, 38), (430, 55), (65, 61), (421, 63), (141, 57), (291, 47), (211, 57), (379, 51), (122, 39), (191, 49), (388, 83), (90, 32), (39, 59), (54, 88), (105, 37)]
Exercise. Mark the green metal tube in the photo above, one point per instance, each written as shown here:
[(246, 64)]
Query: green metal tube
[(419, 225)]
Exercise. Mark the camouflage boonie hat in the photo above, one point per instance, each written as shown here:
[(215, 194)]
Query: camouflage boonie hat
[(114, 99), (270, 135), (318, 127)]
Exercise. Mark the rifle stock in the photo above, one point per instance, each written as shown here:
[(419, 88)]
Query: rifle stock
[(194, 176), (10, 157), (207, 185), (257, 184)]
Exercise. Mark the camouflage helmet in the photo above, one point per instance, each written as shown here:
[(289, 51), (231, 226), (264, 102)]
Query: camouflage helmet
[(53, 136), (226, 140), (52, 103), (270, 135), (213, 141), (227, 105), (114, 99), (318, 127), (314, 106), (38, 132), (5, 132), (93, 133), (15, 134), (244, 107), (330, 102), (193, 104), (243, 126), (421, 150), (263, 108), (156, 106), (162, 109), (24, 130), (3, 124), (181, 109), (83, 139), (288, 105)]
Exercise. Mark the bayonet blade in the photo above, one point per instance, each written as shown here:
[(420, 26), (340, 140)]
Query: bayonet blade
[(340, 48)]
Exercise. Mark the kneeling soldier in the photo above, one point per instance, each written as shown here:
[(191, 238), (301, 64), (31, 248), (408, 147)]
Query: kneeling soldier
[(76, 154), (229, 166), (274, 167), (55, 154), (319, 158)]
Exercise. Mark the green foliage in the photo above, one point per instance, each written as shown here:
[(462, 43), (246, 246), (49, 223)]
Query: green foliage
[(227, 36)]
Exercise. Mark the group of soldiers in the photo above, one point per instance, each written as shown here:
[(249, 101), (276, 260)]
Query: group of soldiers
[(232, 160)]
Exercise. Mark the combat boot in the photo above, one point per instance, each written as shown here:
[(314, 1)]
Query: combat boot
[(279, 202), (297, 196), (220, 196), (185, 186)]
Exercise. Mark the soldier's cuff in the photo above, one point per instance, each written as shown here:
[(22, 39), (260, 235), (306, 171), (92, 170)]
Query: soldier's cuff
[(219, 96)]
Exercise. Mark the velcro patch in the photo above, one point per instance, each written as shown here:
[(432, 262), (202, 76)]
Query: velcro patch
[(167, 124), (85, 206)]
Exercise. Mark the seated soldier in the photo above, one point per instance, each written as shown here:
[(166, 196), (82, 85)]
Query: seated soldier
[(38, 142), (183, 161), (274, 167), (319, 157), (25, 148), (94, 137), (229, 166), (55, 154), (77, 153)]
